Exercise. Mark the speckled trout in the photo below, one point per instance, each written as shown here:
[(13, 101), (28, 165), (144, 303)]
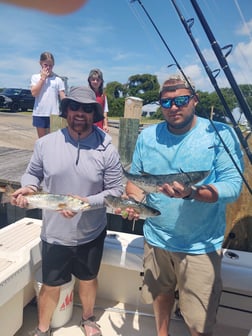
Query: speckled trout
[(42, 200), (150, 183), (142, 209)]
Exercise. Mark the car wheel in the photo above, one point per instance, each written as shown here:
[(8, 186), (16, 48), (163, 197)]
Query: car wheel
[(15, 107)]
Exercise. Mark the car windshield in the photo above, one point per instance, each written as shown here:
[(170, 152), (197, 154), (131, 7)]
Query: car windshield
[(11, 92)]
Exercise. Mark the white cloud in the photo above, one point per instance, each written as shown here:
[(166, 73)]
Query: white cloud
[(245, 29)]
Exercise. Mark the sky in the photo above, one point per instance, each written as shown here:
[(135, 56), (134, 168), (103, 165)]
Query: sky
[(118, 37)]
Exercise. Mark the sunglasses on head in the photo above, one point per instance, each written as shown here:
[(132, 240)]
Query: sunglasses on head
[(75, 106), (178, 101)]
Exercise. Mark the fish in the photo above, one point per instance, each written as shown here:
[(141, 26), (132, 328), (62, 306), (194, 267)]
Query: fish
[(48, 201), (56, 202), (150, 183), (142, 209)]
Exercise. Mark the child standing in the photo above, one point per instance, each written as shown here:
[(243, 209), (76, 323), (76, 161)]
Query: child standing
[(95, 80), (47, 88)]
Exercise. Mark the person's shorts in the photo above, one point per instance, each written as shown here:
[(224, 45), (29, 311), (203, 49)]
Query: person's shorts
[(59, 262), (196, 277), (41, 122)]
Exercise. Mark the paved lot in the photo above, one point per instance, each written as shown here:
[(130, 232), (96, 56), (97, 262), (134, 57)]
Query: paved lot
[(16, 131)]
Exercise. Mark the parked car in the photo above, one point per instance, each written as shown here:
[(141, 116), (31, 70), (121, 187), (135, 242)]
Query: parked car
[(16, 99)]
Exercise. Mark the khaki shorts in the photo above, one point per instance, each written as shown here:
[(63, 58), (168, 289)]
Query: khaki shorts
[(196, 277)]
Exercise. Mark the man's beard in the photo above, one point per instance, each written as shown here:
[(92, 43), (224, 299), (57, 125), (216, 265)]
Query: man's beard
[(79, 127)]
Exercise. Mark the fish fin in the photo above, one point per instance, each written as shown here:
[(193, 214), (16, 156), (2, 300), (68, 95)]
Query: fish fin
[(134, 200), (125, 171), (126, 166), (144, 173), (181, 171), (62, 206), (189, 177)]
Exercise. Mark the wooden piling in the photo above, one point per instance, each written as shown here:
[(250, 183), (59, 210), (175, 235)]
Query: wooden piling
[(128, 134), (129, 128)]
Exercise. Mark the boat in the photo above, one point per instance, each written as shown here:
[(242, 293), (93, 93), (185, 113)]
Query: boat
[(118, 309)]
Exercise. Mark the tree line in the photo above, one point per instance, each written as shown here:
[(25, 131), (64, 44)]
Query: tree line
[(146, 87)]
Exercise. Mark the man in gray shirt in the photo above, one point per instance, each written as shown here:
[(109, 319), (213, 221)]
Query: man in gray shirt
[(78, 160)]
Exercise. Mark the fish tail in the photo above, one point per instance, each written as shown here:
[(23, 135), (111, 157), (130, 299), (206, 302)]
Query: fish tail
[(6, 193)]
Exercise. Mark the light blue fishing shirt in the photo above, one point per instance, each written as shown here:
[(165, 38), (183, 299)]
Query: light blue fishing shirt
[(88, 168), (189, 226)]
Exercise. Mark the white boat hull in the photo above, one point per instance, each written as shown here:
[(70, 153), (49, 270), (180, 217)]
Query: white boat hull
[(120, 276)]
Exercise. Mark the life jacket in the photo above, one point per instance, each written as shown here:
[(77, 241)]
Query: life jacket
[(101, 100)]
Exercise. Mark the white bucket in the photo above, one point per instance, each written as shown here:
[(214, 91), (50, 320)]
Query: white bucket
[(64, 310)]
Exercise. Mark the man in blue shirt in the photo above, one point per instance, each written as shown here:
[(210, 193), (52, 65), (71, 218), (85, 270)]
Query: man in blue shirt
[(183, 244)]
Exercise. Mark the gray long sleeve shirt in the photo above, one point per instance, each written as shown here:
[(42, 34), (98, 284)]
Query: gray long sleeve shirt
[(97, 174)]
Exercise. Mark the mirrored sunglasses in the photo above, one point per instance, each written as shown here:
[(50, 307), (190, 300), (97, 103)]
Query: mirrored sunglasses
[(75, 106), (178, 101)]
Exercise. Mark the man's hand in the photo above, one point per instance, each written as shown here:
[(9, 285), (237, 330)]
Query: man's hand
[(18, 197), (67, 213), (175, 190), (129, 213)]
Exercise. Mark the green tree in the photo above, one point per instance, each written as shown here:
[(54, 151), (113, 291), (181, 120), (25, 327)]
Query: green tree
[(144, 86), (115, 90), (210, 104), (116, 93), (247, 93)]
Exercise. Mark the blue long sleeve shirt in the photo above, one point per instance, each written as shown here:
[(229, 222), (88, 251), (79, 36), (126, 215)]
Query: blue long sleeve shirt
[(189, 226)]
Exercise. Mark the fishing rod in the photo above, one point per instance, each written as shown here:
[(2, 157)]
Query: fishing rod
[(193, 91), (188, 25), (166, 45), (223, 62)]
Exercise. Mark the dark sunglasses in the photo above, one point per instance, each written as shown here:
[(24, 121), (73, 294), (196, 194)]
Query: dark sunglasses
[(75, 106), (178, 101)]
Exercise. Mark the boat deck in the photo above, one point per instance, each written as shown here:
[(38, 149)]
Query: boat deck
[(119, 309), (117, 319)]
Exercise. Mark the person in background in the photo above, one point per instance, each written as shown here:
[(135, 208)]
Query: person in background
[(47, 88), (95, 81), (182, 248), (77, 160)]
